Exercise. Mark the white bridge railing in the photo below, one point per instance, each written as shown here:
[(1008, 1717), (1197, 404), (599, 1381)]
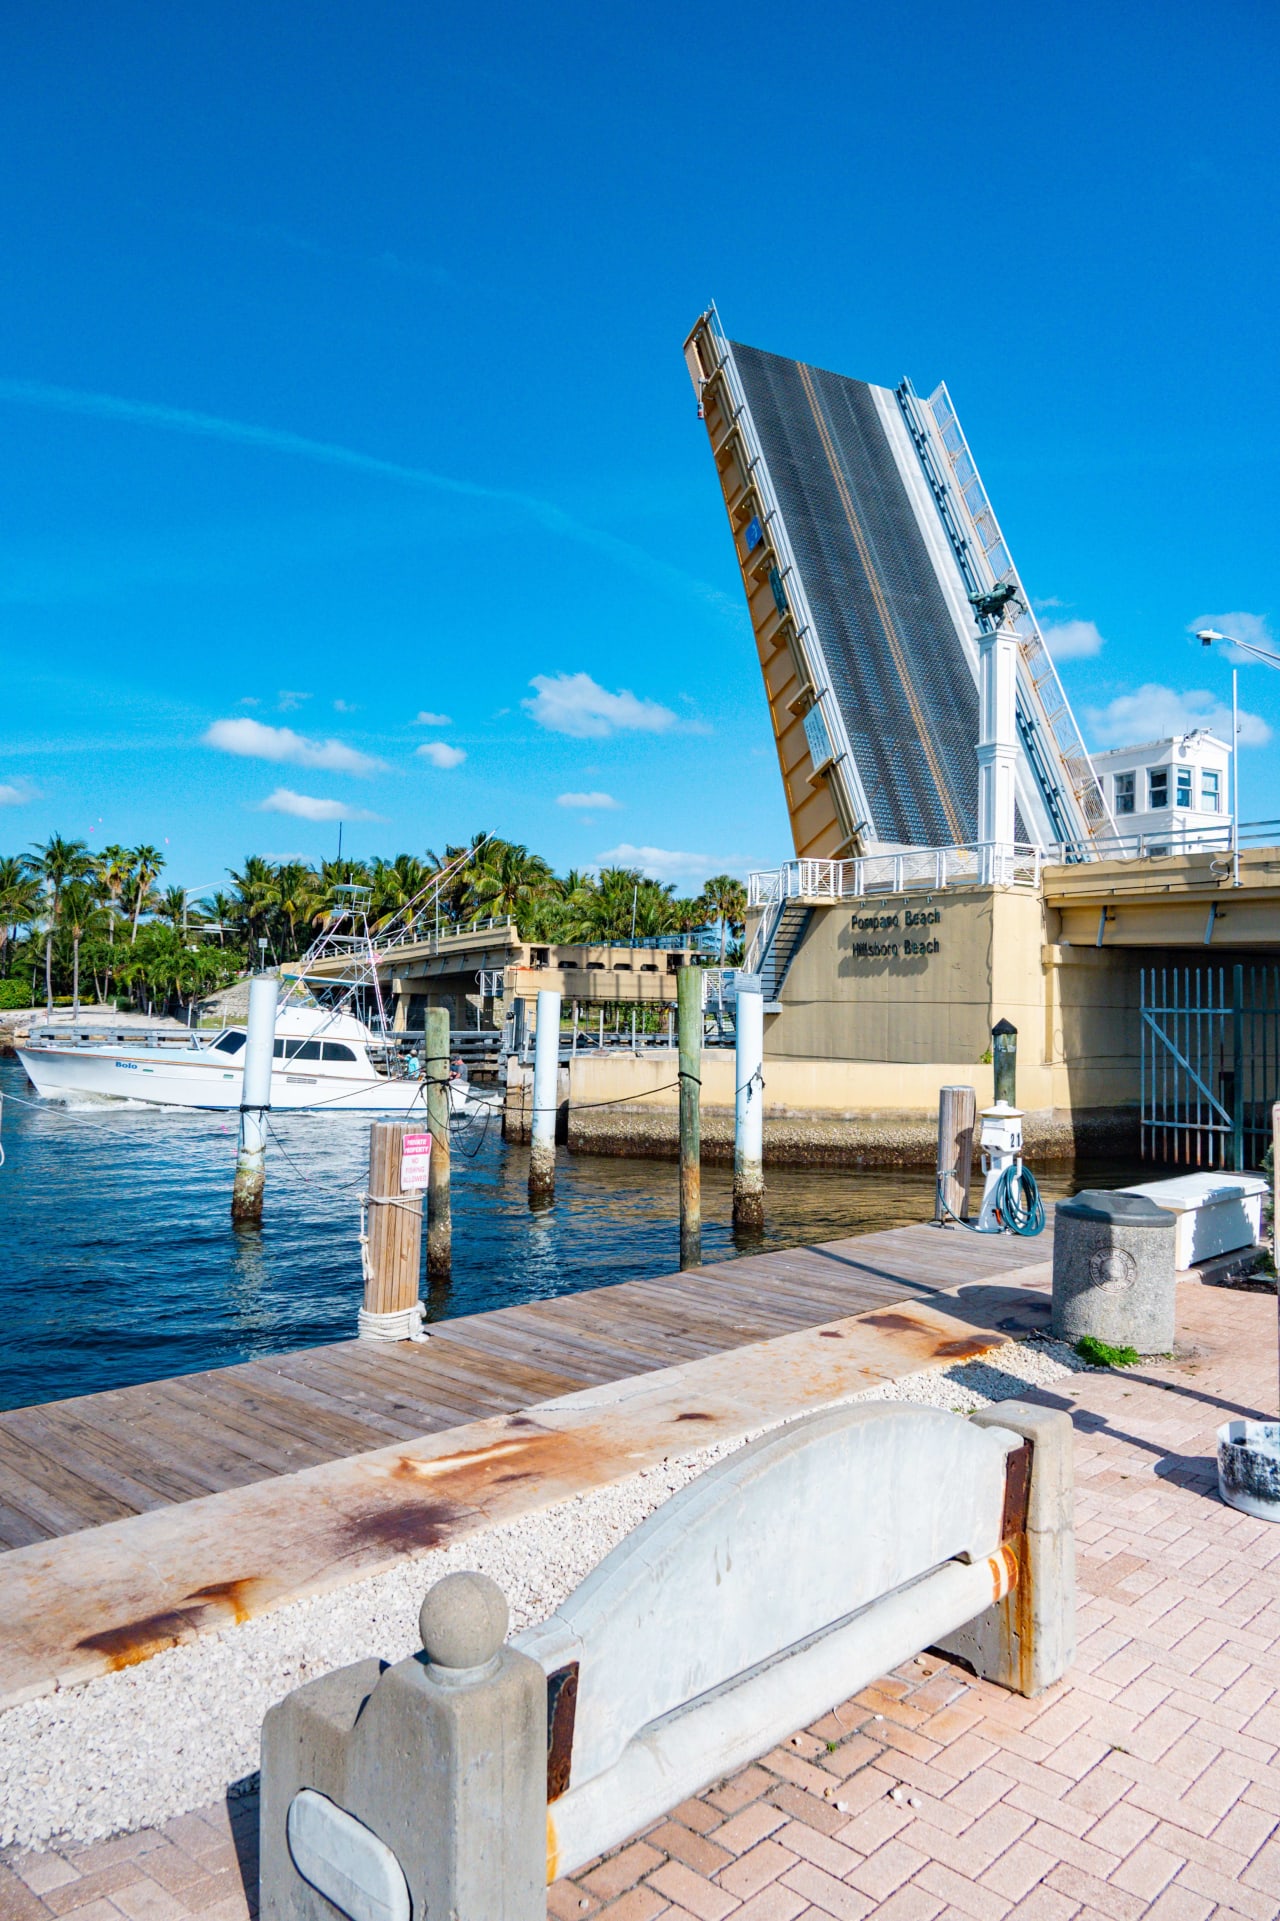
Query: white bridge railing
[(980, 864)]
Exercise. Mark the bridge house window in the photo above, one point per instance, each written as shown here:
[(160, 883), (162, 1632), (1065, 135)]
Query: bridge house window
[(1184, 787), (1157, 787), (1124, 793), (1211, 790)]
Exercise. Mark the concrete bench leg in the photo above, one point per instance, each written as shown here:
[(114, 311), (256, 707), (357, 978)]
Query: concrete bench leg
[(436, 1772), (1028, 1640)]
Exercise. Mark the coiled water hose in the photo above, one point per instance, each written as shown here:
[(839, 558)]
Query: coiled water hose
[(1017, 1203)]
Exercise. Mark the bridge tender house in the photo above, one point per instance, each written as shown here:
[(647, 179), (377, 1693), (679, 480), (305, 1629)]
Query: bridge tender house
[(909, 947)]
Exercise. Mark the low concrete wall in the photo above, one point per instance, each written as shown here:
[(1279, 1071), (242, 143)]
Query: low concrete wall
[(817, 1113)]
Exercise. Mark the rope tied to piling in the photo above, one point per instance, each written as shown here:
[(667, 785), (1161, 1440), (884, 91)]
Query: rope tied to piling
[(402, 1324)]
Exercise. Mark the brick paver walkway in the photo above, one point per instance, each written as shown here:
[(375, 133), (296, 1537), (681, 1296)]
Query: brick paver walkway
[(1146, 1784)]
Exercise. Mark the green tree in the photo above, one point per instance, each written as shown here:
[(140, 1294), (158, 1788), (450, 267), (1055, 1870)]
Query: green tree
[(507, 879), (114, 867), (254, 887), (396, 885), (54, 864), (82, 913), (726, 902), (146, 863), (293, 899), (221, 910), (688, 917), (19, 903)]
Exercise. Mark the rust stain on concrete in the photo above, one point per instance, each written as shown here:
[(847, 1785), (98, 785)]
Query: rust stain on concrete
[(130, 1642)]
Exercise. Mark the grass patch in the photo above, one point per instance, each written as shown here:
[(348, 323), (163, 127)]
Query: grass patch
[(1102, 1354)]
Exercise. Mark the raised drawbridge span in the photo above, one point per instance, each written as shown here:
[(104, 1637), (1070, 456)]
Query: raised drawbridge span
[(862, 528)]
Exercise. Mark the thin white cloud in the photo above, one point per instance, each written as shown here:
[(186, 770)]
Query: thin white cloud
[(185, 420), (599, 803), (1250, 627), (1074, 640), (440, 754), (345, 707), (425, 719), (253, 740), (669, 863), (288, 698), (310, 807), (1154, 712), (16, 793), (575, 704)]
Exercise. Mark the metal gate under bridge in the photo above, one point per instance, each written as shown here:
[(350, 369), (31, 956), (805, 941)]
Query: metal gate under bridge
[(1210, 1063)]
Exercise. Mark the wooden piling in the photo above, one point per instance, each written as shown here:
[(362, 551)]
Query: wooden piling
[(689, 1005), (957, 1114), (393, 1259), (439, 1216)]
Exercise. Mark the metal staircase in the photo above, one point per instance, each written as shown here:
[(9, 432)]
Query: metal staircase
[(787, 930)]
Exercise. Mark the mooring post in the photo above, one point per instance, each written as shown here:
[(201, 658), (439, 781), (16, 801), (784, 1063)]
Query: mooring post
[(1004, 1061), (689, 1005), (391, 1244), (439, 1220), (255, 1099), (748, 1108), (546, 1075), (957, 1113)]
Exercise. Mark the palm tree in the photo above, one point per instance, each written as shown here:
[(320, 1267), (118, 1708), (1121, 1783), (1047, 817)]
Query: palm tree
[(115, 871), (726, 901), (293, 896), (507, 878), (687, 917), (454, 898), (56, 863), (395, 884), (19, 901), (80, 906), (171, 906), (221, 909), (255, 888), (146, 863)]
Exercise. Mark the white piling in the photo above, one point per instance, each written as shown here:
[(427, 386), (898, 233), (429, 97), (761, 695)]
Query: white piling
[(255, 1099), (546, 1075), (748, 1133)]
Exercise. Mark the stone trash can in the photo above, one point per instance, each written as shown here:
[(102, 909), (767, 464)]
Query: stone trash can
[(1113, 1273)]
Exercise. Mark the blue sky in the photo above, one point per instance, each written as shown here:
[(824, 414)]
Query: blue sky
[(340, 383)]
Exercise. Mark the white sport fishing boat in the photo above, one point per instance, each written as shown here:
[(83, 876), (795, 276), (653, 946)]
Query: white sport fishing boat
[(326, 1056), (323, 1060)]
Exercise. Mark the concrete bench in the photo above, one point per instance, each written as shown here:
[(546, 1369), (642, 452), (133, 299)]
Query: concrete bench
[(462, 1780), (1215, 1213)]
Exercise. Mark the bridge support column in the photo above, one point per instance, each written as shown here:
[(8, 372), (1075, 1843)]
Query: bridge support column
[(997, 750)]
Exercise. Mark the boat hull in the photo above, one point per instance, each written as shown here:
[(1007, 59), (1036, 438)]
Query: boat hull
[(184, 1078)]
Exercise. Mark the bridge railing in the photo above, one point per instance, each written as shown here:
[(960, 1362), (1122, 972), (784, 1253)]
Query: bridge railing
[(907, 869)]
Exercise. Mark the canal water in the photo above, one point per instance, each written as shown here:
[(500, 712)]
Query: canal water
[(120, 1263)]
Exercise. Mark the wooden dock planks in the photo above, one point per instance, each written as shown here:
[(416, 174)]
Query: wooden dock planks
[(74, 1464)]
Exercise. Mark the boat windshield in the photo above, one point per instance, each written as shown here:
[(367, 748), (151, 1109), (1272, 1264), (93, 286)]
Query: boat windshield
[(229, 1043)]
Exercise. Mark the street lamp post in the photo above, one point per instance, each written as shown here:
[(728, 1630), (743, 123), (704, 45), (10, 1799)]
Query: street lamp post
[(1208, 636)]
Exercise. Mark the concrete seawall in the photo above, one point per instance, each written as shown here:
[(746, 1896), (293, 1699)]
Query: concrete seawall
[(601, 1114)]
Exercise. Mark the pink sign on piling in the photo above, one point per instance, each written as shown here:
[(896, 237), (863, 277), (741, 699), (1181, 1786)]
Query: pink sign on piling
[(415, 1162)]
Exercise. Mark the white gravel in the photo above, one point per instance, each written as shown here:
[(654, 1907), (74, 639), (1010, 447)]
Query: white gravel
[(130, 1750)]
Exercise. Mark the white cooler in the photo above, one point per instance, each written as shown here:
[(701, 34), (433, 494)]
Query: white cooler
[(1216, 1213)]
